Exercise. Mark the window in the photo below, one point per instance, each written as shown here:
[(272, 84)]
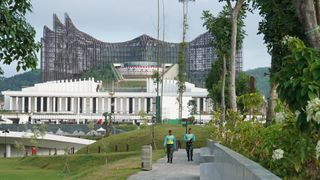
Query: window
[(94, 105), (130, 105)]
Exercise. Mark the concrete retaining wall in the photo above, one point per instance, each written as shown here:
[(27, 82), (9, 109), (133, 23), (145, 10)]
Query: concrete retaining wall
[(230, 165)]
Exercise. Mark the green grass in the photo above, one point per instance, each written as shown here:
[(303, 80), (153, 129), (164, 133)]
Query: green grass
[(89, 166), (107, 165), (126, 127), (137, 138), (131, 84)]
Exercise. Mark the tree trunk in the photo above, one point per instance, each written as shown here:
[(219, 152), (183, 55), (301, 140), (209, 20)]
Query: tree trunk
[(317, 4), (306, 12), (223, 101), (232, 78), (271, 104)]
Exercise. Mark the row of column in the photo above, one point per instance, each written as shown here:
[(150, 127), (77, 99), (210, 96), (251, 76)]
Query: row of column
[(81, 104)]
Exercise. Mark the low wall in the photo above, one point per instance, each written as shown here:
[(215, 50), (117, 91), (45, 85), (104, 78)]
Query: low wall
[(231, 165)]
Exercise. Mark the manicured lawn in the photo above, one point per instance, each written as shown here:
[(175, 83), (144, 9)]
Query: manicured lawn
[(137, 138), (105, 165), (12, 169), (91, 166)]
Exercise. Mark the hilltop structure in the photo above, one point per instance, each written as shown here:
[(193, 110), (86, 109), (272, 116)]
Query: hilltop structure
[(67, 52)]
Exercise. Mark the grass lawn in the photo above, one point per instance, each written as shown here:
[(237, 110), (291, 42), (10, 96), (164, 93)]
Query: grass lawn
[(91, 166), (137, 138), (106, 165)]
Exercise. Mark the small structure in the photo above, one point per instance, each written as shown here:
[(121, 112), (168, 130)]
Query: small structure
[(47, 145)]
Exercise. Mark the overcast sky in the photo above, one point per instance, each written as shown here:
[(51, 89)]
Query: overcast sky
[(122, 20)]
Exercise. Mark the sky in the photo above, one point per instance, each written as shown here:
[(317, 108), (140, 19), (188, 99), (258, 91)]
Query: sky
[(123, 20)]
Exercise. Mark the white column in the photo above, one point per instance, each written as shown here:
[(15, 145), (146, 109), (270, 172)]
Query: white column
[(84, 104), (145, 105), (115, 105), (90, 101), (139, 105), (66, 104), (102, 105), (54, 105), (41, 104), (48, 104), (127, 108), (35, 104), (78, 106), (60, 104), (205, 104), (8, 150), (151, 105), (133, 106), (121, 106), (198, 105), (29, 104), (109, 105), (10, 103), (17, 104), (72, 104), (22, 105)]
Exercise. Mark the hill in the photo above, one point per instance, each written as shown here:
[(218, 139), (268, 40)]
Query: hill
[(19, 81), (262, 78), (137, 138)]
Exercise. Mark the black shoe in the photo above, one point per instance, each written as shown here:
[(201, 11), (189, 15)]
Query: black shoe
[(168, 161)]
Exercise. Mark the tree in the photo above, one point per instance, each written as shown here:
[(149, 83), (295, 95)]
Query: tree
[(235, 10), (279, 20), (19, 147), (299, 79), (16, 35), (308, 12), (221, 30), (181, 76)]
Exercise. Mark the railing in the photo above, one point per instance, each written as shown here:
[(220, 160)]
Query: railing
[(220, 162)]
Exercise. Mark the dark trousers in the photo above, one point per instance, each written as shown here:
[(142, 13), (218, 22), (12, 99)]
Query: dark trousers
[(170, 150), (189, 149)]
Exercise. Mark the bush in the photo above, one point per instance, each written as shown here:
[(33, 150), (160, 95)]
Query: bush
[(265, 145)]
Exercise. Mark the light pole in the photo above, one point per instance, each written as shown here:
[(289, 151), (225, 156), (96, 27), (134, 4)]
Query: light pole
[(5, 141)]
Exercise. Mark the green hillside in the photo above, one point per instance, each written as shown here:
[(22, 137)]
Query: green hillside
[(262, 78), (19, 81), (137, 138)]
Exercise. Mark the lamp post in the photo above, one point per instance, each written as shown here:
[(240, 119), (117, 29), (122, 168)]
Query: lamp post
[(5, 141)]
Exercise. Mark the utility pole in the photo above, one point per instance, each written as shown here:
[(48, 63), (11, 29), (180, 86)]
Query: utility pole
[(158, 115), (182, 73), (163, 66)]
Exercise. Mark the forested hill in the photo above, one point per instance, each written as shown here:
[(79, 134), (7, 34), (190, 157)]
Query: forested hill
[(19, 81), (30, 78), (262, 79)]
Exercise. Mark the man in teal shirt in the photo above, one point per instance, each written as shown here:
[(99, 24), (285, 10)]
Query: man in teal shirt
[(189, 138), (170, 144)]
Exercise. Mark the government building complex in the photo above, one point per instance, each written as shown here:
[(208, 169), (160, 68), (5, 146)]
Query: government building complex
[(67, 53)]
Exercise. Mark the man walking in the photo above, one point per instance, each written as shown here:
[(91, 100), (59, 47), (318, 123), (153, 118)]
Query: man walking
[(170, 144), (189, 138)]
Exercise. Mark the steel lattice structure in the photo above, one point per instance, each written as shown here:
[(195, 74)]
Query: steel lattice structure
[(67, 52)]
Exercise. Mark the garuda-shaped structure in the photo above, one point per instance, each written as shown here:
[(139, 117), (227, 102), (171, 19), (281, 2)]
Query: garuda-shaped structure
[(67, 52)]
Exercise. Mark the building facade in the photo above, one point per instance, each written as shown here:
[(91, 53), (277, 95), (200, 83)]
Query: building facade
[(67, 52), (81, 101)]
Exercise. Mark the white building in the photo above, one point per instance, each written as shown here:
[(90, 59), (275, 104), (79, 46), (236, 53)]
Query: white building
[(79, 101), (47, 145)]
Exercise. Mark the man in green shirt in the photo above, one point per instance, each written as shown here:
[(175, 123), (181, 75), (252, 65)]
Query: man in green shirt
[(189, 138), (170, 144)]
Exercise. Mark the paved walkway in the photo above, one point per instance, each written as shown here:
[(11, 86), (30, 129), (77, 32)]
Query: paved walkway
[(180, 169)]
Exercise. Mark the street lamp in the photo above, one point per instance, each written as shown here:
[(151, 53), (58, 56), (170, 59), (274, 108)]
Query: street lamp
[(5, 141)]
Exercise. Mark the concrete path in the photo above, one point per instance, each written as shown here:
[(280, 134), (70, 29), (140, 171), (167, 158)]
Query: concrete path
[(180, 169)]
